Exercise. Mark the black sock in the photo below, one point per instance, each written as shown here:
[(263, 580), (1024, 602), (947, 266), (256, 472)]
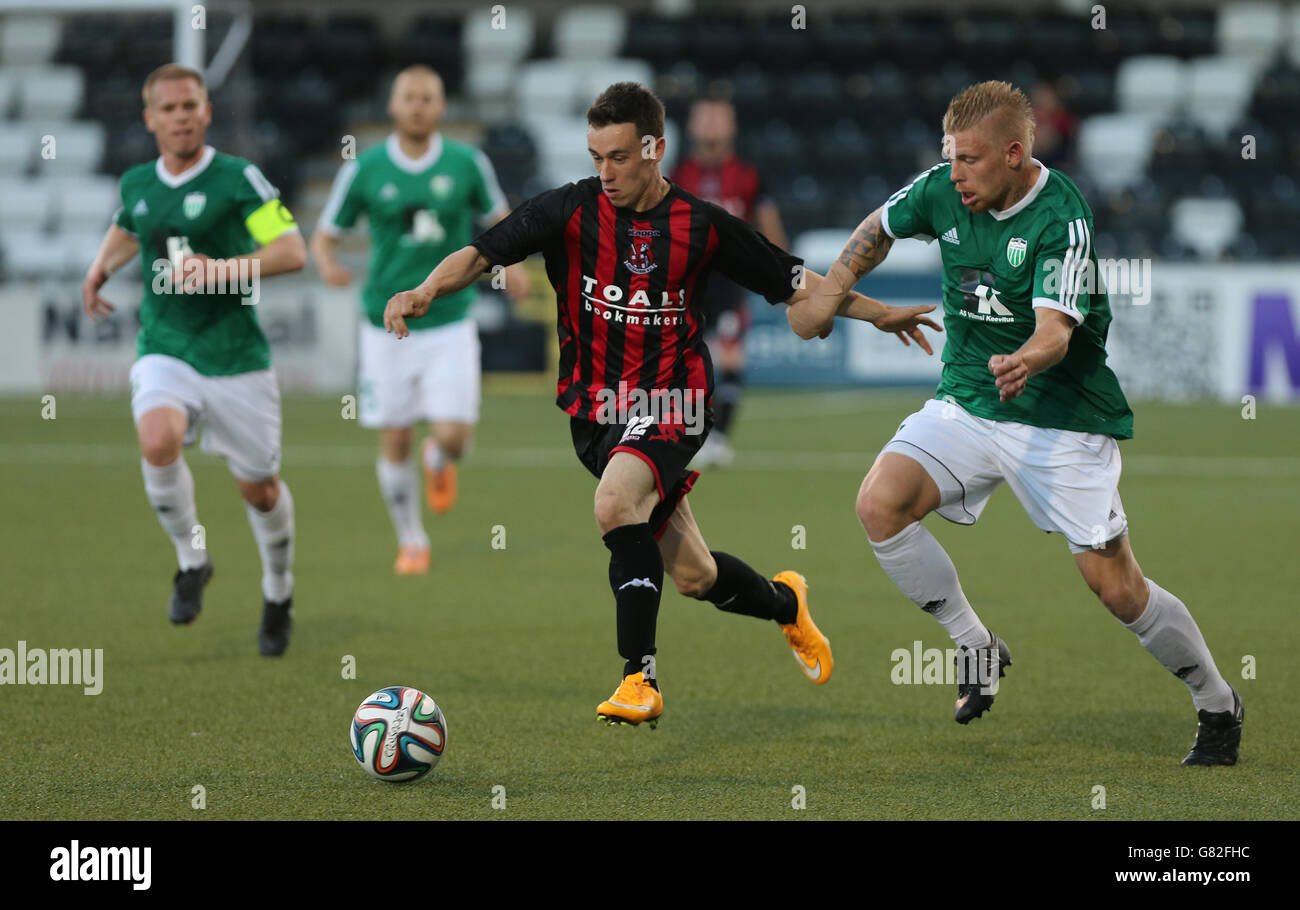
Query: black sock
[(727, 397), (636, 574), (739, 589)]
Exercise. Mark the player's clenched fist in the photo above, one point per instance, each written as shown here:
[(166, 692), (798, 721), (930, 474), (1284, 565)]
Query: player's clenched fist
[(1011, 373), (402, 306)]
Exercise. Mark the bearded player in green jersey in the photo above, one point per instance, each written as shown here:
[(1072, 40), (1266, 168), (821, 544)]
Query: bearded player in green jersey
[(1026, 397), (421, 194), (207, 227)]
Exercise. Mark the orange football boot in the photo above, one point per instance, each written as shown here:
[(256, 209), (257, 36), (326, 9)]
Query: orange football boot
[(440, 485), (635, 701), (412, 559), (812, 649)]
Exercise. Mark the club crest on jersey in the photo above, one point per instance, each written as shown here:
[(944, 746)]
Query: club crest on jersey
[(387, 192), (440, 185), (641, 258), (1016, 247), (193, 205)]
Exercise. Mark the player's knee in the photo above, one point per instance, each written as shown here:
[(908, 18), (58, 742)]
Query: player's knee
[(159, 446), (695, 580), (1123, 597), (261, 496), (612, 510), (882, 516)]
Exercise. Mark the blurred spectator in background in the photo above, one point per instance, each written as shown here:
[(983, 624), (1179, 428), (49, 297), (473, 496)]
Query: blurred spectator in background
[(1055, 128), (714, 173)]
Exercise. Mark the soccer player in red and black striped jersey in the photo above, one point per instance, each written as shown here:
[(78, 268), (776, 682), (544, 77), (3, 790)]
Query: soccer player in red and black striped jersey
[(628, 254), (714, 172)]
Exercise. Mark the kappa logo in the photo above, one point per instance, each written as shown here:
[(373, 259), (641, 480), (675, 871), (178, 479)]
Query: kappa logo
[(639, 583), (950, 236), (641, 259)]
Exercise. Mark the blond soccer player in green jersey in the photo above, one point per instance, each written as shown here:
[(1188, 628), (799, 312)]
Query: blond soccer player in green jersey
[(208, 227), (1025, 397), (424, 196)]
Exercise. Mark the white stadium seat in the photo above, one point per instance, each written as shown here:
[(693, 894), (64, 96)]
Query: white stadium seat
[(599, 75), (1151, 85), (590, 32), (1292, 36), (8, 91), (1251, 29), (78, 147), (493, 53), (84, 203), (25, 204), (562, 154), (29, 40), (29, 254), (1114, 148), (1220, 89), (1206, 225), (549, 87), (16, 149), (51, 93)]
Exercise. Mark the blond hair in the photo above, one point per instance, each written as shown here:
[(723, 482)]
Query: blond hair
[(1014, 115), (171, 71)]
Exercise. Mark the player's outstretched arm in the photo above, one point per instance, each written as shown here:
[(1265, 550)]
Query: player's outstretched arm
[(865, 250), (117, 250), (455, 272), (1044, 349), (903, 321)]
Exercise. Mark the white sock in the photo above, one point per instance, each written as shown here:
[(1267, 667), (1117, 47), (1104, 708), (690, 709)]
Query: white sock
[(916, 562), (273, 531), (401, 492), (1169, 633), (170, 490)]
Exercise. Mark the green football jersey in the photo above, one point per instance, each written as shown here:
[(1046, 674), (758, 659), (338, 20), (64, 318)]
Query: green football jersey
[(997, 268), (221, 207), (419, 211)]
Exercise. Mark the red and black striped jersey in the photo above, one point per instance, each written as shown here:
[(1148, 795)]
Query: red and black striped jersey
[(733, 184), (629, 284)]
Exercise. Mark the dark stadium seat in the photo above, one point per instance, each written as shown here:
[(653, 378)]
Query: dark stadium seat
[(1054, 41), (281, 45), (434, 41), (716, 44), (514, 157), (921, 39), (658, 41), (849, 42), (778, 46), (813, 92)]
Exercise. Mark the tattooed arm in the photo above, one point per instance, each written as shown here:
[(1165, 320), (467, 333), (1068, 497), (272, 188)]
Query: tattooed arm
[(815, 317)]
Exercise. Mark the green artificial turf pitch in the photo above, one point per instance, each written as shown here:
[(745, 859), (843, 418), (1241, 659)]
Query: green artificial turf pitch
[(517, 644)]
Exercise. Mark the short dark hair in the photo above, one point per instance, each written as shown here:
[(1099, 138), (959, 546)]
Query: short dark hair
[(628, 102)]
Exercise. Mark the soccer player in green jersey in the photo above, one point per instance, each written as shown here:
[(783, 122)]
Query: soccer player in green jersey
[(421, 194), (207, 227), (1026, 397)]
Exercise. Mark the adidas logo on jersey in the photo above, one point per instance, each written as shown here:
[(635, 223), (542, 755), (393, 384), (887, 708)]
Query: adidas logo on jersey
[(950, 235), (140, 209)]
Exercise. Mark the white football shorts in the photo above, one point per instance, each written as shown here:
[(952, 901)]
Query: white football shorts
[(432, 374), (1067, 481), (239, 415)]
